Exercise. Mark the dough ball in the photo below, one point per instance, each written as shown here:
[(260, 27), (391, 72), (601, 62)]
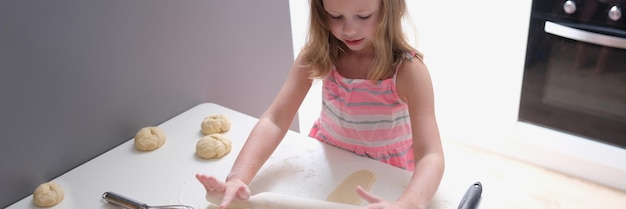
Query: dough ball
[(149, 138), (48, 194), (213, 146), (215, 124)]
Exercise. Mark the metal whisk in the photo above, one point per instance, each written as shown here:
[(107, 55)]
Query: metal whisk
[(125, 202)]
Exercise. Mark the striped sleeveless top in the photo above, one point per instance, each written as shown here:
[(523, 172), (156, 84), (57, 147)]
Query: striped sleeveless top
[(366, 118)]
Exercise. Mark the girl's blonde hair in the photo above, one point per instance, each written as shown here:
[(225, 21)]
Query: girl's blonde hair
[(323, 49)]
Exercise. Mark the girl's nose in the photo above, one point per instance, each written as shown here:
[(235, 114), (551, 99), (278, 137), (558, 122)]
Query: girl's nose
[(349, 28)]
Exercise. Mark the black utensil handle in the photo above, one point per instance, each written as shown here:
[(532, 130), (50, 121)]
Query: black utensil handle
[(472, 196), (123, 201)]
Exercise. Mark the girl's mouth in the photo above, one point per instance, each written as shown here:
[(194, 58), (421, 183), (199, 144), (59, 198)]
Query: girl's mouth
[(353, 42)]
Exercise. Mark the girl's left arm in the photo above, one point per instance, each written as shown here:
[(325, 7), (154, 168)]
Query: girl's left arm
[(415, 88)]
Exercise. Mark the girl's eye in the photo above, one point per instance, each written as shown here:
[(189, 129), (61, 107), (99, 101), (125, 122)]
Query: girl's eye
[(364, 17), (336, 17)]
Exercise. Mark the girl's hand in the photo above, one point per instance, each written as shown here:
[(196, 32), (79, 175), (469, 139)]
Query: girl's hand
[(233, 189), (376, 202)]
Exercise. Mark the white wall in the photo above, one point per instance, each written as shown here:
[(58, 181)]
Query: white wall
[(475, 52), (80, 77)]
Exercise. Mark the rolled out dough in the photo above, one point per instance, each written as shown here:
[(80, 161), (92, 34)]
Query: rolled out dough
[(346, 191), (344, 196), (268, 200)]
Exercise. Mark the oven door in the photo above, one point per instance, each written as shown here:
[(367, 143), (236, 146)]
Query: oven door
[(575, 80)]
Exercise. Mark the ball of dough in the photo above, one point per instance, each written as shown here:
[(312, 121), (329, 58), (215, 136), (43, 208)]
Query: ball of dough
[(48, 194), (215, 124), (213, 146), (149, 138)]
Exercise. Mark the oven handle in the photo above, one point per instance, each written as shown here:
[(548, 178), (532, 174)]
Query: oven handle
[(584, 36)]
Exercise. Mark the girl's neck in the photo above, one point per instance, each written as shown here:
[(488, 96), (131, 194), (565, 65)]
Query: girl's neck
[(367, 52), (355, 64), (362, 57)]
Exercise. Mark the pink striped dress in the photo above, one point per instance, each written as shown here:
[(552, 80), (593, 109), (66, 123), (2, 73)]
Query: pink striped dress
[(367, 119)]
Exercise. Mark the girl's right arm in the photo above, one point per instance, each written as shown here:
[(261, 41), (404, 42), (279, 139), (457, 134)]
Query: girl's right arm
[(270, 129)]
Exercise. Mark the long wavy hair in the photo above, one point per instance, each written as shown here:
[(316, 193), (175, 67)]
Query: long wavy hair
[(322, 49)]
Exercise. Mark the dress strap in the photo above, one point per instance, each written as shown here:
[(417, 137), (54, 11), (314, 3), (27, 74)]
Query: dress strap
[(409, 55), (406, 55)]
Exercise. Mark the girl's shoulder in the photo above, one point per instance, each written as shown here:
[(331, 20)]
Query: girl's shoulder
[(412, 61), (412, 69), (413, 79)]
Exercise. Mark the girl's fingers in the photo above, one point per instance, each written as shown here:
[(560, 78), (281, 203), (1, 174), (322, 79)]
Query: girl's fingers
[(367, 196), (210, 183), (216, 184), (239, 193), (229, 195), (236, 191), (243, 193)]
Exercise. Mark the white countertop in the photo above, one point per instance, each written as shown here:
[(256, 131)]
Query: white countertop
[(304, 167), (301, 166)]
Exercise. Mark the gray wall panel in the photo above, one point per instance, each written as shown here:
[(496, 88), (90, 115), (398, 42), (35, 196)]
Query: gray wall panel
[(78, 78)]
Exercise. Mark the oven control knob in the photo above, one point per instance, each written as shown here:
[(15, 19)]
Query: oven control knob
[(569, 7), (615, 13)]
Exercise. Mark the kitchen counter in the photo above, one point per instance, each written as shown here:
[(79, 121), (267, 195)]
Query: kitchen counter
[(304, 167), (300, 166), (512, 184)]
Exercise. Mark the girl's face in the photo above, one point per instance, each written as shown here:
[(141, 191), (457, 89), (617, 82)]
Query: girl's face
[(353, 21)]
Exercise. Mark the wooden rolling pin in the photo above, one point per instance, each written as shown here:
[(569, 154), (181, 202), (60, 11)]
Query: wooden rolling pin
[(269, 200)]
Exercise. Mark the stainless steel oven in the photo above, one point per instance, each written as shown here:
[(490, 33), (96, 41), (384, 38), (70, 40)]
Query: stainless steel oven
[(575, 70)]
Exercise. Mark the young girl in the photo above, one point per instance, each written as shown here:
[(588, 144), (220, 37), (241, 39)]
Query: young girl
[(377, 101)]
